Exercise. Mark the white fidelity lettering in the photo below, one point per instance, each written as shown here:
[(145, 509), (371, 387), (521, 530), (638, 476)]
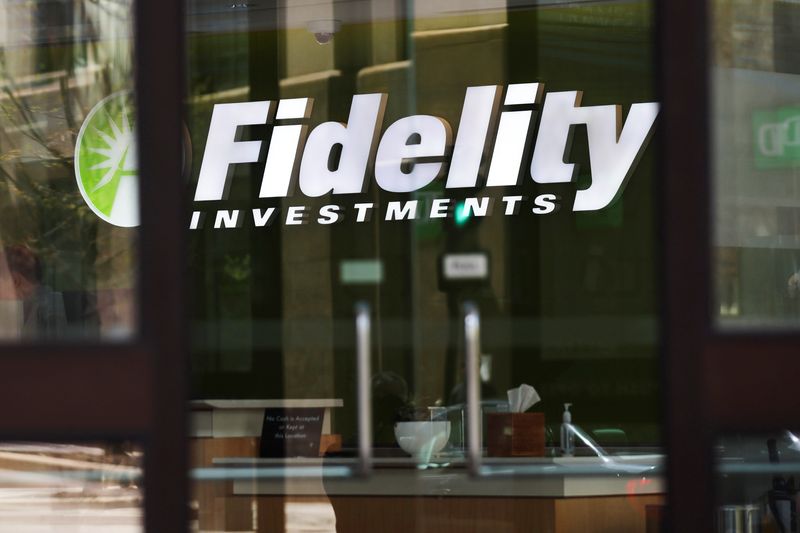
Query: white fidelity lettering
[(512, 204), (612, 154), (512, 135), (553, 140), (478, 207), (440, 207), (223, 150), (295, 215), (544, 204), (337, 156), (364, 212), (419, 136), (472, 142), (294, 108), (194, 223), (507, 156), (402, 210), (329, 214), (285, 146), (262, 218), (227, 219)]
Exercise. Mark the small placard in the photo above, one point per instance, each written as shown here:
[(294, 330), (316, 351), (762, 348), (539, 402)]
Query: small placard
[(465, 267), (361, 271), (291, 432)]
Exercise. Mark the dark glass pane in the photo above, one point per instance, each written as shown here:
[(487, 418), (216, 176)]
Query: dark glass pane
[(503, 194)]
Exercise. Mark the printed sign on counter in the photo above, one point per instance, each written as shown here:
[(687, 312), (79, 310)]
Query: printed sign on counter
[(291, 432)]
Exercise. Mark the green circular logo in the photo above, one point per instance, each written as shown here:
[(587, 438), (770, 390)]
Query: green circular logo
[(105, 160)]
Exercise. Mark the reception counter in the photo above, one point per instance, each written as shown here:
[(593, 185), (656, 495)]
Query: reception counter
[(543, 495), (237, 491)]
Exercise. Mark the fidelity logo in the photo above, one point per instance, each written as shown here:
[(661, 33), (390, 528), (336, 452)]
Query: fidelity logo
[(105, 161), (489, 149)]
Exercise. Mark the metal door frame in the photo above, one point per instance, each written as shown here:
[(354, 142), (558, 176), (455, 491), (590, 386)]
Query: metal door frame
[(74, 391), (704, 370)]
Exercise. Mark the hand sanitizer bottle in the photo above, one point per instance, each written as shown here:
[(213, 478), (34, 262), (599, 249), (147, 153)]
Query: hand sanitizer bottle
[(567, 435)]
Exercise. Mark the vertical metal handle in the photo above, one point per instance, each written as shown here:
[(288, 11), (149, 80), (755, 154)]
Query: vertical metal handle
[(364, 372), (472, 344)]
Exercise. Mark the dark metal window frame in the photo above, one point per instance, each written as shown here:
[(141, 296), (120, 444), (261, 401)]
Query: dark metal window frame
[(704, 370), (137, 390)]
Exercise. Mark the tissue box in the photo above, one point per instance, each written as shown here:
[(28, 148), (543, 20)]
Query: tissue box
[(515, 434)]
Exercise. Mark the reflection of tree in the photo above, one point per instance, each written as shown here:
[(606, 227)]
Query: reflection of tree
[(46, 89)]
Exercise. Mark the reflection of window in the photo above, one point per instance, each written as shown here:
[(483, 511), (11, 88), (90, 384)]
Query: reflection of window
[(757, 156)]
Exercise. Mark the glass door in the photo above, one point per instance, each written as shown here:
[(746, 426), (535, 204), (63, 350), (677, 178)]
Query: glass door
[(423, 266), (91, 261)]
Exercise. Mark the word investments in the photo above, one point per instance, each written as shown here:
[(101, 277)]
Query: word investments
[(336, 158)]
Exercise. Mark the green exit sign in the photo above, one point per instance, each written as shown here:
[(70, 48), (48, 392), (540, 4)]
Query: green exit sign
[(776, 138)]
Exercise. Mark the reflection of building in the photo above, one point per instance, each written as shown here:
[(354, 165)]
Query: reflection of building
[(756, 220)]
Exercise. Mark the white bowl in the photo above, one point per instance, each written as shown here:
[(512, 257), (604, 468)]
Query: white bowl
[(422, 439)]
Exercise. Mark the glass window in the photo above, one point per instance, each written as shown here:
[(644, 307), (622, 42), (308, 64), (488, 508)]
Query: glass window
[(379, 189), (755, 120), (68, 187)]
